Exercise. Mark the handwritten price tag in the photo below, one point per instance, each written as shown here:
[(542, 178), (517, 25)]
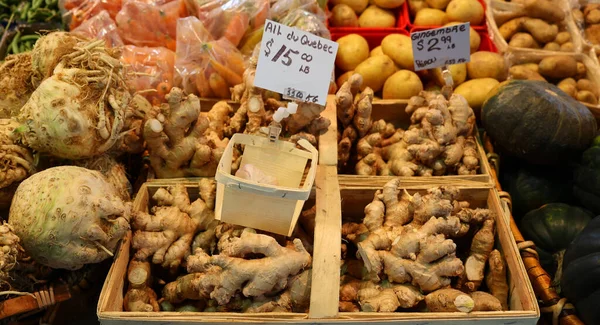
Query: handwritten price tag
[(294, 63), (441, 46)]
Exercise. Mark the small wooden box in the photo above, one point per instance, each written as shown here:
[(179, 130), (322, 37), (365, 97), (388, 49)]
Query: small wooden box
[(110, 304), (523, 304), (392, 111)]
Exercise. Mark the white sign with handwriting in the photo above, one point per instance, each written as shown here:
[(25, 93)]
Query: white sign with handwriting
[(441, 46), (295, 63)]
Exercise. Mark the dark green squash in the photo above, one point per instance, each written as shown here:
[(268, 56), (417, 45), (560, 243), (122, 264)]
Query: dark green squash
[(580, 280), (552, 228), (537, 122), (530, 187), (586, 178)]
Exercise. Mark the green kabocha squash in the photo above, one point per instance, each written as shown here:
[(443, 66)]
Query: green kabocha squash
[(580, 280), (587, 178), (552, 228), (537, 122), (530, 187)]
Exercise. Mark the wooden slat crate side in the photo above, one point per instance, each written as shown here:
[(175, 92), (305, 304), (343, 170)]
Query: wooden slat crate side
[(523, 304), (393, 111), (110, 303)]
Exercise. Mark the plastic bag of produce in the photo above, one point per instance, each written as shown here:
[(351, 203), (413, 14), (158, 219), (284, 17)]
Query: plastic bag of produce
[(147, 24), (150, 71), (206, 66), (232, 19), (306, 21), (283, 7), (101, 26), (79, 11)]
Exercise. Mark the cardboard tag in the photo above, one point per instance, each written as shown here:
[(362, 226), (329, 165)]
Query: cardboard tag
[(441, 46), (295, 63)]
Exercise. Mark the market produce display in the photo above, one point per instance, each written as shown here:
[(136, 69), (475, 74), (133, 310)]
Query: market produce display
[(29, 11), (212, 266), (440, 12), (407, 252), (587, 18), (362, 13)]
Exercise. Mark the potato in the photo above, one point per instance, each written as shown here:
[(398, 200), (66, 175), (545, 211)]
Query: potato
[(558, 67), (352, 50), (531, 66), (587, 97), (377, 51), (577, 15), (552, 46), (523, 40), (374, 16), (430, 17), (520, 72), (375, 71), (458, 71), (475, 91), (399, 48), (541, 31), (486, 64), (586, 84), (388, 4), (465, 11), (357, 5), (569, 86), (416, 5), (343, 16), (562, 38), (345, 76), (474, 38), (581, 70), (567, 47), (402, 85), (437, 4), (511, 27)]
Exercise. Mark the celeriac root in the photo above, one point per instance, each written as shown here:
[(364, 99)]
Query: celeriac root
[(10, 249), (181, 141), (15, 84), (16, 162)]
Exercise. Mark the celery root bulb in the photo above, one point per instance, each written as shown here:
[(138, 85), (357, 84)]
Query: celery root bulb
[(68, 216), (15, 84), (49, 51), (16, 162), (79, 111)]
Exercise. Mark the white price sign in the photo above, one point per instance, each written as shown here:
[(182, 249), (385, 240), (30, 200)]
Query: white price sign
[(441, 46), (295, 63)]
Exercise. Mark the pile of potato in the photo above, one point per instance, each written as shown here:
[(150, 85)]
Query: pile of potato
[(564, 71), (388, 69), (364, 13), (535, 24), (441, 12), (589, 20)]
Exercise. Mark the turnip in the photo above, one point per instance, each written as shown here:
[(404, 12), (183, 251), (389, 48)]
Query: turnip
[(15, 84), (69, 216), (78, 112), (16, 162)]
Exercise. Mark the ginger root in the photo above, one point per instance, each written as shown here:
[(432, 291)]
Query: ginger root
[(496, 278), (452, 300), (220, 277), (167, 233), (140, 296)]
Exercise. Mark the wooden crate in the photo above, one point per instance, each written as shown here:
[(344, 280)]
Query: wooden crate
[(110, 304), (498, 6), (522, 301), (392, 111), (593, 69)]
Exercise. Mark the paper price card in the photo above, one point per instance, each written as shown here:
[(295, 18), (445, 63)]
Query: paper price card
[(295, 63), (441, 46)]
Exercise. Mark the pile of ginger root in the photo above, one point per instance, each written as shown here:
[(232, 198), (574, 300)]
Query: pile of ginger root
[(438, 142), (426, 251), (185, 260)]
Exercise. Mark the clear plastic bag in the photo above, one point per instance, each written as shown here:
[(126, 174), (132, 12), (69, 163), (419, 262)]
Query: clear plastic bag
[(150, 71), (206, 66), (306, 21), (281, 8), (147, 24), (101, 26), (79, 11)]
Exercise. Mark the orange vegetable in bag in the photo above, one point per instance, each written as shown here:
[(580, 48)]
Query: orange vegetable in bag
[(150, 71)]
